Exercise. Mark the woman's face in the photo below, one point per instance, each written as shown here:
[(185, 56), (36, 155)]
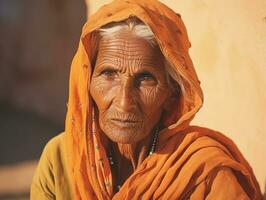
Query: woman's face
[(129, 87)]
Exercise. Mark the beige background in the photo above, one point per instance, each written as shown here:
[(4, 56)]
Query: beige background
[(229, 49)]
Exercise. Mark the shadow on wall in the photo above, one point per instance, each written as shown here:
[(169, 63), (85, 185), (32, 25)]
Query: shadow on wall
[(264, 195), (39, 39)]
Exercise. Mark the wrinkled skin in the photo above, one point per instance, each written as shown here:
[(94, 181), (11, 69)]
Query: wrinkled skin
[(129, 87), (130, 90)]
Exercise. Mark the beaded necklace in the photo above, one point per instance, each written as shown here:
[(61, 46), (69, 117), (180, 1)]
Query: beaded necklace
[(151, 151)]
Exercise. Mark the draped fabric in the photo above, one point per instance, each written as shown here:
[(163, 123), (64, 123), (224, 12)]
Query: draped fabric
[(189, 162)]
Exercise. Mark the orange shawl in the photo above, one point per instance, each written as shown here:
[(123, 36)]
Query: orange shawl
[(186, 157)]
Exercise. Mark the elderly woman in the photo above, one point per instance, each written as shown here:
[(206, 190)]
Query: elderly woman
[(133, 92)]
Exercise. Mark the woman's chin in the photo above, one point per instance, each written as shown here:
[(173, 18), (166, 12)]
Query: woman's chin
[(124, 136), (125, 133)]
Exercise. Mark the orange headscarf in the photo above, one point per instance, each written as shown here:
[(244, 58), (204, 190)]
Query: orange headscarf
[(172, 171)]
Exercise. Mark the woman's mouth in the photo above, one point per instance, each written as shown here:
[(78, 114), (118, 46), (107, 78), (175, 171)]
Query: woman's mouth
[(124, 122)]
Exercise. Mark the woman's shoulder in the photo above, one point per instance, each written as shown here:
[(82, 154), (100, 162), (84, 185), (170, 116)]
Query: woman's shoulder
[(55, 147), (54, 152), (218, 160), (205, 137), (211, 146), (52, 172)]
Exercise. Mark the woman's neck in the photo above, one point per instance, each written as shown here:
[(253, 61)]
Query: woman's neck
[(133, 154), (127, 157), (127, 154)]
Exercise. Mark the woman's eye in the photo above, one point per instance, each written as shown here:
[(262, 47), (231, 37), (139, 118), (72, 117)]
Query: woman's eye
[(108, 72), (146, 77)]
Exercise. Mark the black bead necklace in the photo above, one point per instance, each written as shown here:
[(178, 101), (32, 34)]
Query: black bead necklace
[(154, 141)]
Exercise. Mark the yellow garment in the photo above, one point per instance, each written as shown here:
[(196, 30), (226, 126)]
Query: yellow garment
[(51, 179), (189, 162)]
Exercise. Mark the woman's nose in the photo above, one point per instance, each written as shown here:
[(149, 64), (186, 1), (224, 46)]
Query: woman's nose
[(125, 99)]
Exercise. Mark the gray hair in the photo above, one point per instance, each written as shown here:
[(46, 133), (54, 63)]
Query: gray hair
[(141, 30)]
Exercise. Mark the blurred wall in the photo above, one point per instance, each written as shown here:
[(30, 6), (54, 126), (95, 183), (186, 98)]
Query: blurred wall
[(228, 50), (38, 42)]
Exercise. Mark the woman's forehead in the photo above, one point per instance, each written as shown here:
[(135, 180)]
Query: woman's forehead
[(126, 45)]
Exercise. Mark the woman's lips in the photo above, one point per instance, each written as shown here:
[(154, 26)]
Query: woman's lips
[(125, 122)]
